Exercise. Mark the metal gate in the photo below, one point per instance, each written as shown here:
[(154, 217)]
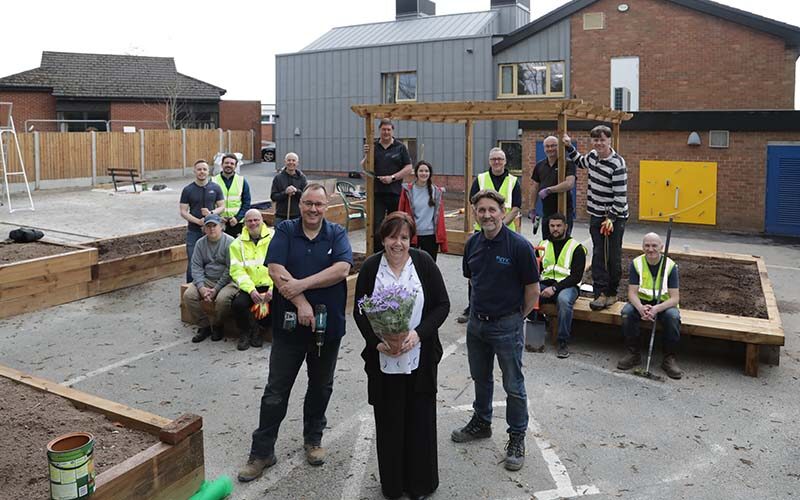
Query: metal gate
[(783, 190)]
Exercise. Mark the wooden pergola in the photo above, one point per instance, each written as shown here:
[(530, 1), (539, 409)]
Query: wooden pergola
[(467, 112)]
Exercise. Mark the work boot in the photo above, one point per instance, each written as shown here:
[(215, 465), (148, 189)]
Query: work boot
[(202, 334), (477, 428), (219, 332), (611, 300), (515, 451), (255, 467), (563, 352), (244, 341), (315, 454), (670, 366), (255, 338), (634, 357), (464, 317), (600, 302)]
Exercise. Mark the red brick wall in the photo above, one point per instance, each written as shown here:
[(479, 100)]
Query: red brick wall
[(137, 114), (741, 170), (242, 115), (29, 105), (687, 59), (267, 130)]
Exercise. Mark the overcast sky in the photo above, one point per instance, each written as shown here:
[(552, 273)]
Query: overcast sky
[(230, 43)]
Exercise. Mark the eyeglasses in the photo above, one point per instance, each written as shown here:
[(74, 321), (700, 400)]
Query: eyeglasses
[(497, 159), (317, 205)]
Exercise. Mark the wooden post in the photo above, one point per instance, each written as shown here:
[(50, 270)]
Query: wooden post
[(141, 153), (467, 175), (183, 152), (615, 136), (751, 360), (562, 162), (94, 158), (369, 165)]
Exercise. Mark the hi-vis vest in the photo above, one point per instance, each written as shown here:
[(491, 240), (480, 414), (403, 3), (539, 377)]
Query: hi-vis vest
[(247, 260), (506, 190), (233, 196), (646, 282), (558, 268)]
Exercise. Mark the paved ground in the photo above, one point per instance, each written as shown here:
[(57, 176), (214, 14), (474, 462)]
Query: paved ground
[(594, 431)]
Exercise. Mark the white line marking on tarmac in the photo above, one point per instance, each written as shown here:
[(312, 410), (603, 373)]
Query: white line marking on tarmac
[(94, 373), (358, 465), (624, 375), (784, 267)]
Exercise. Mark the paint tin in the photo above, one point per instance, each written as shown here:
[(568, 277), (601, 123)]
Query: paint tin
[(71, 461)]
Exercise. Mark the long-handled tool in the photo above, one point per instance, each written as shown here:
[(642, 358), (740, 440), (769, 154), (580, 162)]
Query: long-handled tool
[(657, 287)]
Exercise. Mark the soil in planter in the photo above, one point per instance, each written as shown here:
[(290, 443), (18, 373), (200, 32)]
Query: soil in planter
[(134, 244), (31, 419), (709, 284), (17, 252)]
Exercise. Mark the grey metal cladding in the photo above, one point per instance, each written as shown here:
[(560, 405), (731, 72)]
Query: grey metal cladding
[(550, 44)]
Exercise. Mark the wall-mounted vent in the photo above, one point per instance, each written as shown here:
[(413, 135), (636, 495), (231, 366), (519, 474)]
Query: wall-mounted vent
[(594, 21), (622, 99), (719, 139)]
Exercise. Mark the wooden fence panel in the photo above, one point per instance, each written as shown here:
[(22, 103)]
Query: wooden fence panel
[(26, 143), (240, 143), (116, 150), (201, 144), (163, 149), (65, 155)]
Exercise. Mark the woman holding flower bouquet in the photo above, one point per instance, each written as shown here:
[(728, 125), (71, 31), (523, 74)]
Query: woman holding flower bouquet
[(422, 200), (402, 302)]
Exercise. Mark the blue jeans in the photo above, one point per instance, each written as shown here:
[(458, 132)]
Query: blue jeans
[(503, 338), (191, 239), (670, 322), (565, 300), (289, 349)]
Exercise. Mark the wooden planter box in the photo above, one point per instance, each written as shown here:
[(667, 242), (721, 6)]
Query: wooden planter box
[(34, 284), (124, 272), (171, 469)]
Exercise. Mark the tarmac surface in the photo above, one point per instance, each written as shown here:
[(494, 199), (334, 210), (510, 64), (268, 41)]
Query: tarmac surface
[(594, 431)]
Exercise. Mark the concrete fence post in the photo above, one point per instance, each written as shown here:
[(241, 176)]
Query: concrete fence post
[(183, 144), (230, 144), (141, 153), (221, 142), (37, 161), (94, 158), (253, 144)]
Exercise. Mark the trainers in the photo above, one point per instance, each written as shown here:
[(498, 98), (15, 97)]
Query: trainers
[(563, 352), (464, 317), (244, 341), (515, 451), (670, 366), (633, 358), (600, 303), (475, 429), (202, 334), (219, 332), (315, 454), (255, 467)]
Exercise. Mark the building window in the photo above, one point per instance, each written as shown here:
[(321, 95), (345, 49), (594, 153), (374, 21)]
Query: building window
[(82, 121), (532, 79), (411, 145), (399, 87), (513, 151)]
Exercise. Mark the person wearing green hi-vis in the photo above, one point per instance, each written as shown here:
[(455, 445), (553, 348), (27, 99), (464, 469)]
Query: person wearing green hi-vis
[(236, 192)]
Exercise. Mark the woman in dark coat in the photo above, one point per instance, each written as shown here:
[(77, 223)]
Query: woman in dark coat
[(401, 374)]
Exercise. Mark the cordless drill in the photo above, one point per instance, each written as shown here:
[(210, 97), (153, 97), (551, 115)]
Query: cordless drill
[(320, 324)]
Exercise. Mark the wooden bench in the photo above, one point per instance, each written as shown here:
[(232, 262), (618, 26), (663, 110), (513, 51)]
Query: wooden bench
[(753, 332), (120, 175), (231, 330)]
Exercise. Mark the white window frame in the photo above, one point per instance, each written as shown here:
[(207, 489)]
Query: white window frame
[(515, 81), (396, 93)]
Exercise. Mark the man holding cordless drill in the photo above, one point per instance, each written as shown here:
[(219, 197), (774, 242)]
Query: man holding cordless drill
[(309, 260)]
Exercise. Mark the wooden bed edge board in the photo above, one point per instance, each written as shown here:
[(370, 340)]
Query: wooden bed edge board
[(769, 294), (143, 420), (77, 251), (149, 253), (168, 228), (700, 253)]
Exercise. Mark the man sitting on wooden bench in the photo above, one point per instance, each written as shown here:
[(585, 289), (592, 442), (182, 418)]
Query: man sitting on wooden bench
[(211, 292), (645, 303), (563, 262)]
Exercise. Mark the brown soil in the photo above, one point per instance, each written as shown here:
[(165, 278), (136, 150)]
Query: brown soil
[(134, 244), (17, 252), (32, 418), (710, 285)]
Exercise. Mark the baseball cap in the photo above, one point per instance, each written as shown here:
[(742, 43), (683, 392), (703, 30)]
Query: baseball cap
[(212, 218)]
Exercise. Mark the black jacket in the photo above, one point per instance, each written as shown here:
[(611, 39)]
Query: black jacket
[(279, 196), (434, 312)]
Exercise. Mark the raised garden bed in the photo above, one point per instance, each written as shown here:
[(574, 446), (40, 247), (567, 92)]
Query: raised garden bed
[(164, 461), (336, 213), (38, 275), (138, 258)]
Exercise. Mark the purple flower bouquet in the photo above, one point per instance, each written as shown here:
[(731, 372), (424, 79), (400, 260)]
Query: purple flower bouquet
[(388, 310)]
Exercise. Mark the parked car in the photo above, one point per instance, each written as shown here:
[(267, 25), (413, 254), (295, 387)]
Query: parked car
[(268, 151)]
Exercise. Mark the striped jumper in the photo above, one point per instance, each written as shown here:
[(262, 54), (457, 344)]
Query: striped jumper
[(607, 195)]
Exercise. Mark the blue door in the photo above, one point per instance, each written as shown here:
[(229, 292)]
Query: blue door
[(783, 186), (541, 156)]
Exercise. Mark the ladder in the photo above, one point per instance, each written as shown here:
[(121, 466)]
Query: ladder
[(7, 133)]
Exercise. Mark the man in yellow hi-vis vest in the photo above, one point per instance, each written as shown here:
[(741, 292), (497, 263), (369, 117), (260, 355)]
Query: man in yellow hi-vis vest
[(563, 262), (236, 192), (652, 297), (498, 179)]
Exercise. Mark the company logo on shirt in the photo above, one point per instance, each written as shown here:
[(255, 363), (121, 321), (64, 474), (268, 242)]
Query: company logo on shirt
[(505, 261)]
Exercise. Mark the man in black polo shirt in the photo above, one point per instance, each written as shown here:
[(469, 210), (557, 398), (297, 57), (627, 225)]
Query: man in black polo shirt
[(547, 187), (392, 165), (501, 266), (198, 199)]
